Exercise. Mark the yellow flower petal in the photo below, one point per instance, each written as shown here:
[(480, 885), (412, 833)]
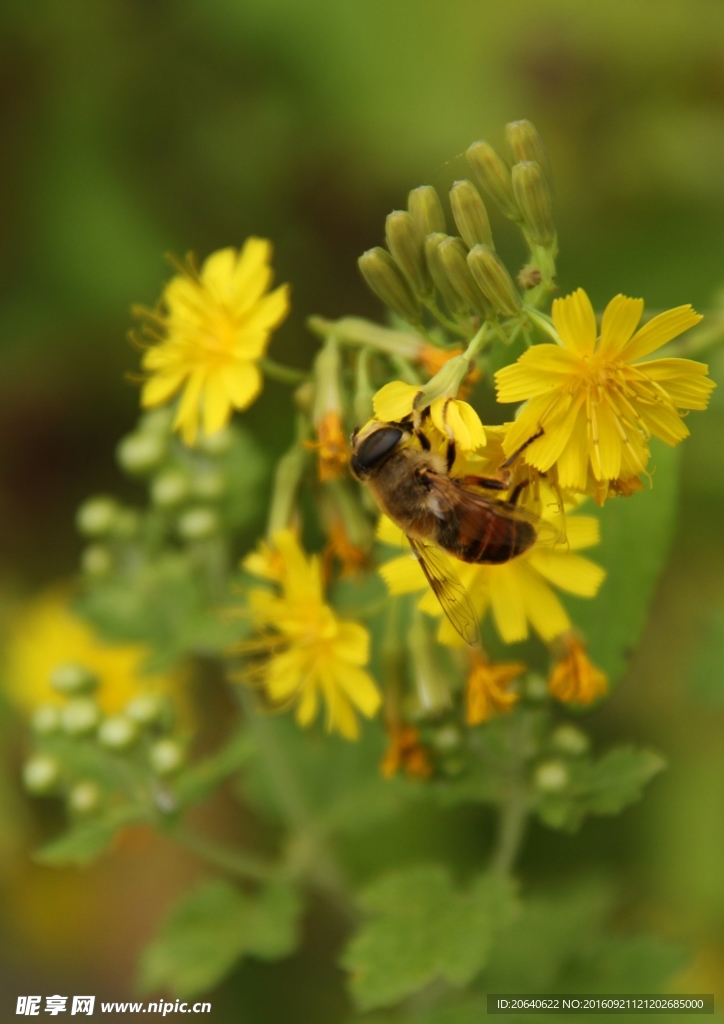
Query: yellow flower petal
[(394, 401), (620, 319), (537, 371), (269, 312), (546, 613), (508, 605), (390, 533), (573, 460), (187, 415), (658, 331), (243, 383), (160, 388), (403, 575), (575, 322), (606, 452), (582, 532), (663, 421), (451, 417), (216, 404), (572, 573), (684, 380)]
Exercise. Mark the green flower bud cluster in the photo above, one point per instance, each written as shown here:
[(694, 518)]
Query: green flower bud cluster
[(459, 279), (564, 746), (74, 741)]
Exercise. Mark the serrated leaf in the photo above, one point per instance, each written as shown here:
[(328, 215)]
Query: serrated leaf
[(212, 928), (89, 839), (605, 786), (636, 535), (419, 928)]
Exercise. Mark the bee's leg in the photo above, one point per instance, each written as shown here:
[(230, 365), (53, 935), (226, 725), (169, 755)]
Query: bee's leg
[(519, 451), (517, 491), (450, 454), (419, 432), (490, 483)]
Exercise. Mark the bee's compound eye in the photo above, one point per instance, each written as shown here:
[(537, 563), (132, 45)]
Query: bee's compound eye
[(374, 448)]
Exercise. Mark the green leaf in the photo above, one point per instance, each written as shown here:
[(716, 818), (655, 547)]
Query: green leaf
[(89, 839), (212, 928), (420, 929), (605, 786), (636, 534), (708, 669)]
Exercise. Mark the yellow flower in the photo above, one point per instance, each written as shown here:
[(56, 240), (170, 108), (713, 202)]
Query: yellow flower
[(574, 678), (47, 634), (211, 328), (518, 592), (307, 652), (595, 402), (450, 417), (487, 691), (405, 752)]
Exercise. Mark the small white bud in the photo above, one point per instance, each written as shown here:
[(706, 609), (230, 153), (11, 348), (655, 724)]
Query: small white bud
[(139, 453), (95, 517), (117, 733), (40, 774), (569, 739), (144, 709), (198, 523), (170, 488), (72, 678), (166, 757), (447, 738), (45, 720), (551, 777), (84, 798), (127, 524), (96, 561), (158, 421), (535, 688), (79, 716)]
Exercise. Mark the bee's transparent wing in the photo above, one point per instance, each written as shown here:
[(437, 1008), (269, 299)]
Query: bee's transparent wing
[(452, 595)]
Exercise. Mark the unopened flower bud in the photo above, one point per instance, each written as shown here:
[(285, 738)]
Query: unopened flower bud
[(389, 285), (569, 739), (71, 679), (79, 716), (117, 733), (426, 209), (45, 720), (170, 488), (84, 798), (96, 560), (493, 175), (140, 453), (198, 523), (470, 214), (534, 199), (40, 774), (551, 777), (145, 709), (95, 517), (453, 255), (405, 242), (209, 485), (166, 757), (453, 301), (494, 280), (447, 739), (217, 443), (525, 143)]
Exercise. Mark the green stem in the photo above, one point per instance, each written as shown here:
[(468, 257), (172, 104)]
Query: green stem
[(513, 818), (284, 374), (234, 862), (446, 322)]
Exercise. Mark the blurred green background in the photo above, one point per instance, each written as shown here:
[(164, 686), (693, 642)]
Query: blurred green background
[(134, 128)]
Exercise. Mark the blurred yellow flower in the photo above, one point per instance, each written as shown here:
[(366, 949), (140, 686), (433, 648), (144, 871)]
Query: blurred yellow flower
[(405, 753), (47, 634), (487, 691), (306, 652), (594, 402), (574, 678), (450, 417), (518, 592), (332, 446), (211, 329)]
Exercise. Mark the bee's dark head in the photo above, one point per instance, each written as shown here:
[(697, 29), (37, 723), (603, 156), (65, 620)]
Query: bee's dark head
[(371, 451)]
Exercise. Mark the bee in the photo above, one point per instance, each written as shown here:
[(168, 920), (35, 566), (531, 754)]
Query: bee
[(414, 487)]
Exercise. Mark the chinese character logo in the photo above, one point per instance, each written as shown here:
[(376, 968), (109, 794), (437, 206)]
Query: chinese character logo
[(83, 1004), (55, 1005), (28, 1006)]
